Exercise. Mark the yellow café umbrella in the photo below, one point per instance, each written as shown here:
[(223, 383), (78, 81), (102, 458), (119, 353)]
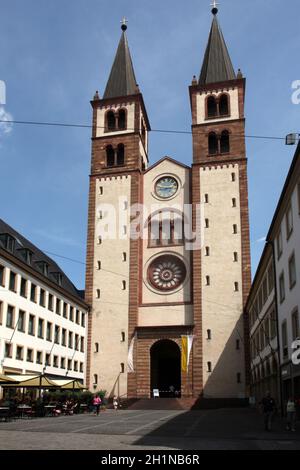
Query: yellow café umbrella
[(28, 381), (6, 379), (68, 384)]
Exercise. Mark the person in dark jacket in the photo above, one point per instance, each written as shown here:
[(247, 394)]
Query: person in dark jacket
[(269, 407)]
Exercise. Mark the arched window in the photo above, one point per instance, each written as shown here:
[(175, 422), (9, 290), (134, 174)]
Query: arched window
[(110, 156), (224, 143), (120, 154), (166, 228), (154, 230), (122, 119), (223, 105), (111, 121), (212, 144), (178, 229), (212, 110)]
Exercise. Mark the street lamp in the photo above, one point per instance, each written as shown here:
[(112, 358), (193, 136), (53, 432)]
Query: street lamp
[(292, 139)]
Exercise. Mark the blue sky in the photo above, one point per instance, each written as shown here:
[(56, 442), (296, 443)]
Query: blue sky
[(54, 55)]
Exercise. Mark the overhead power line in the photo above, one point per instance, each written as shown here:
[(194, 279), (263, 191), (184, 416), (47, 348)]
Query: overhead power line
[(227, 306), (161, 131)]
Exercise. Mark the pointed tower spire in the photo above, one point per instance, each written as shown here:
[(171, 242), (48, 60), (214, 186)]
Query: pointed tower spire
[(217, 65), (122, 81)]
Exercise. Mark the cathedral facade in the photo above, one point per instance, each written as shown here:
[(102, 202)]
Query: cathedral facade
[(168, 252)]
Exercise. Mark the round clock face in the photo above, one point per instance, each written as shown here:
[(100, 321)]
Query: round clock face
[(166, 273), (166, 187)]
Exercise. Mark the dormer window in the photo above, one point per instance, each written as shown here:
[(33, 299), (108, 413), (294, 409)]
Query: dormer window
[(43, 266), (26, 255), (7, 241), (58, 278)]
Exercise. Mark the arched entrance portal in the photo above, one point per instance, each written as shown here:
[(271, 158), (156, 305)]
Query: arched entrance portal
[(166, 368)]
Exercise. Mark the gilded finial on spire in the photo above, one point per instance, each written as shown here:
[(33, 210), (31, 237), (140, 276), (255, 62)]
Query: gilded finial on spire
[(214, 7), (124, 24)]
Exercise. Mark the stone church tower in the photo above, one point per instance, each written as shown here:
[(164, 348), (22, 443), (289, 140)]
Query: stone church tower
[(157, 299)]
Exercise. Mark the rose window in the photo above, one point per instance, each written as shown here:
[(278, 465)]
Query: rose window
[(166, 272)]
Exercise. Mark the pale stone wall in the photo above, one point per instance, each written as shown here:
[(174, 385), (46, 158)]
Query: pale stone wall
[(222, 306), (28, 341), (234, 105), (166, 315), (110, 311)]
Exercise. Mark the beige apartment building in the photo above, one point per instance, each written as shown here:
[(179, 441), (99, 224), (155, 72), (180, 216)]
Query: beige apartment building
[(274, 301), (43, 317)]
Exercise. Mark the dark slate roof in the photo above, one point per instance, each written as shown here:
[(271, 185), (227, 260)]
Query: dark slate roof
[(122, 81), (217, 65), (21, 244)]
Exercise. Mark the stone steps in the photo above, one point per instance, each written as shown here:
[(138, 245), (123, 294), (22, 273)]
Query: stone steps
[(184, 404), (163, 404)]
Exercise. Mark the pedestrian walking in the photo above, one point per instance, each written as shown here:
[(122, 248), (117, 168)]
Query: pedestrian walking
[(269, 407), (115, 402), (291, 414), (97, 403)]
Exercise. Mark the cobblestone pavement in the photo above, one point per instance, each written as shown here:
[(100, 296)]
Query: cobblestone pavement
[(151, 430)]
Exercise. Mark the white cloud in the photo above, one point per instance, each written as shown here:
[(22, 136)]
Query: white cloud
[(261, 240), (5, 126)]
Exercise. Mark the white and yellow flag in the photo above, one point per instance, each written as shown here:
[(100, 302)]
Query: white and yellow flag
[(186, 347), (130, 365)]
